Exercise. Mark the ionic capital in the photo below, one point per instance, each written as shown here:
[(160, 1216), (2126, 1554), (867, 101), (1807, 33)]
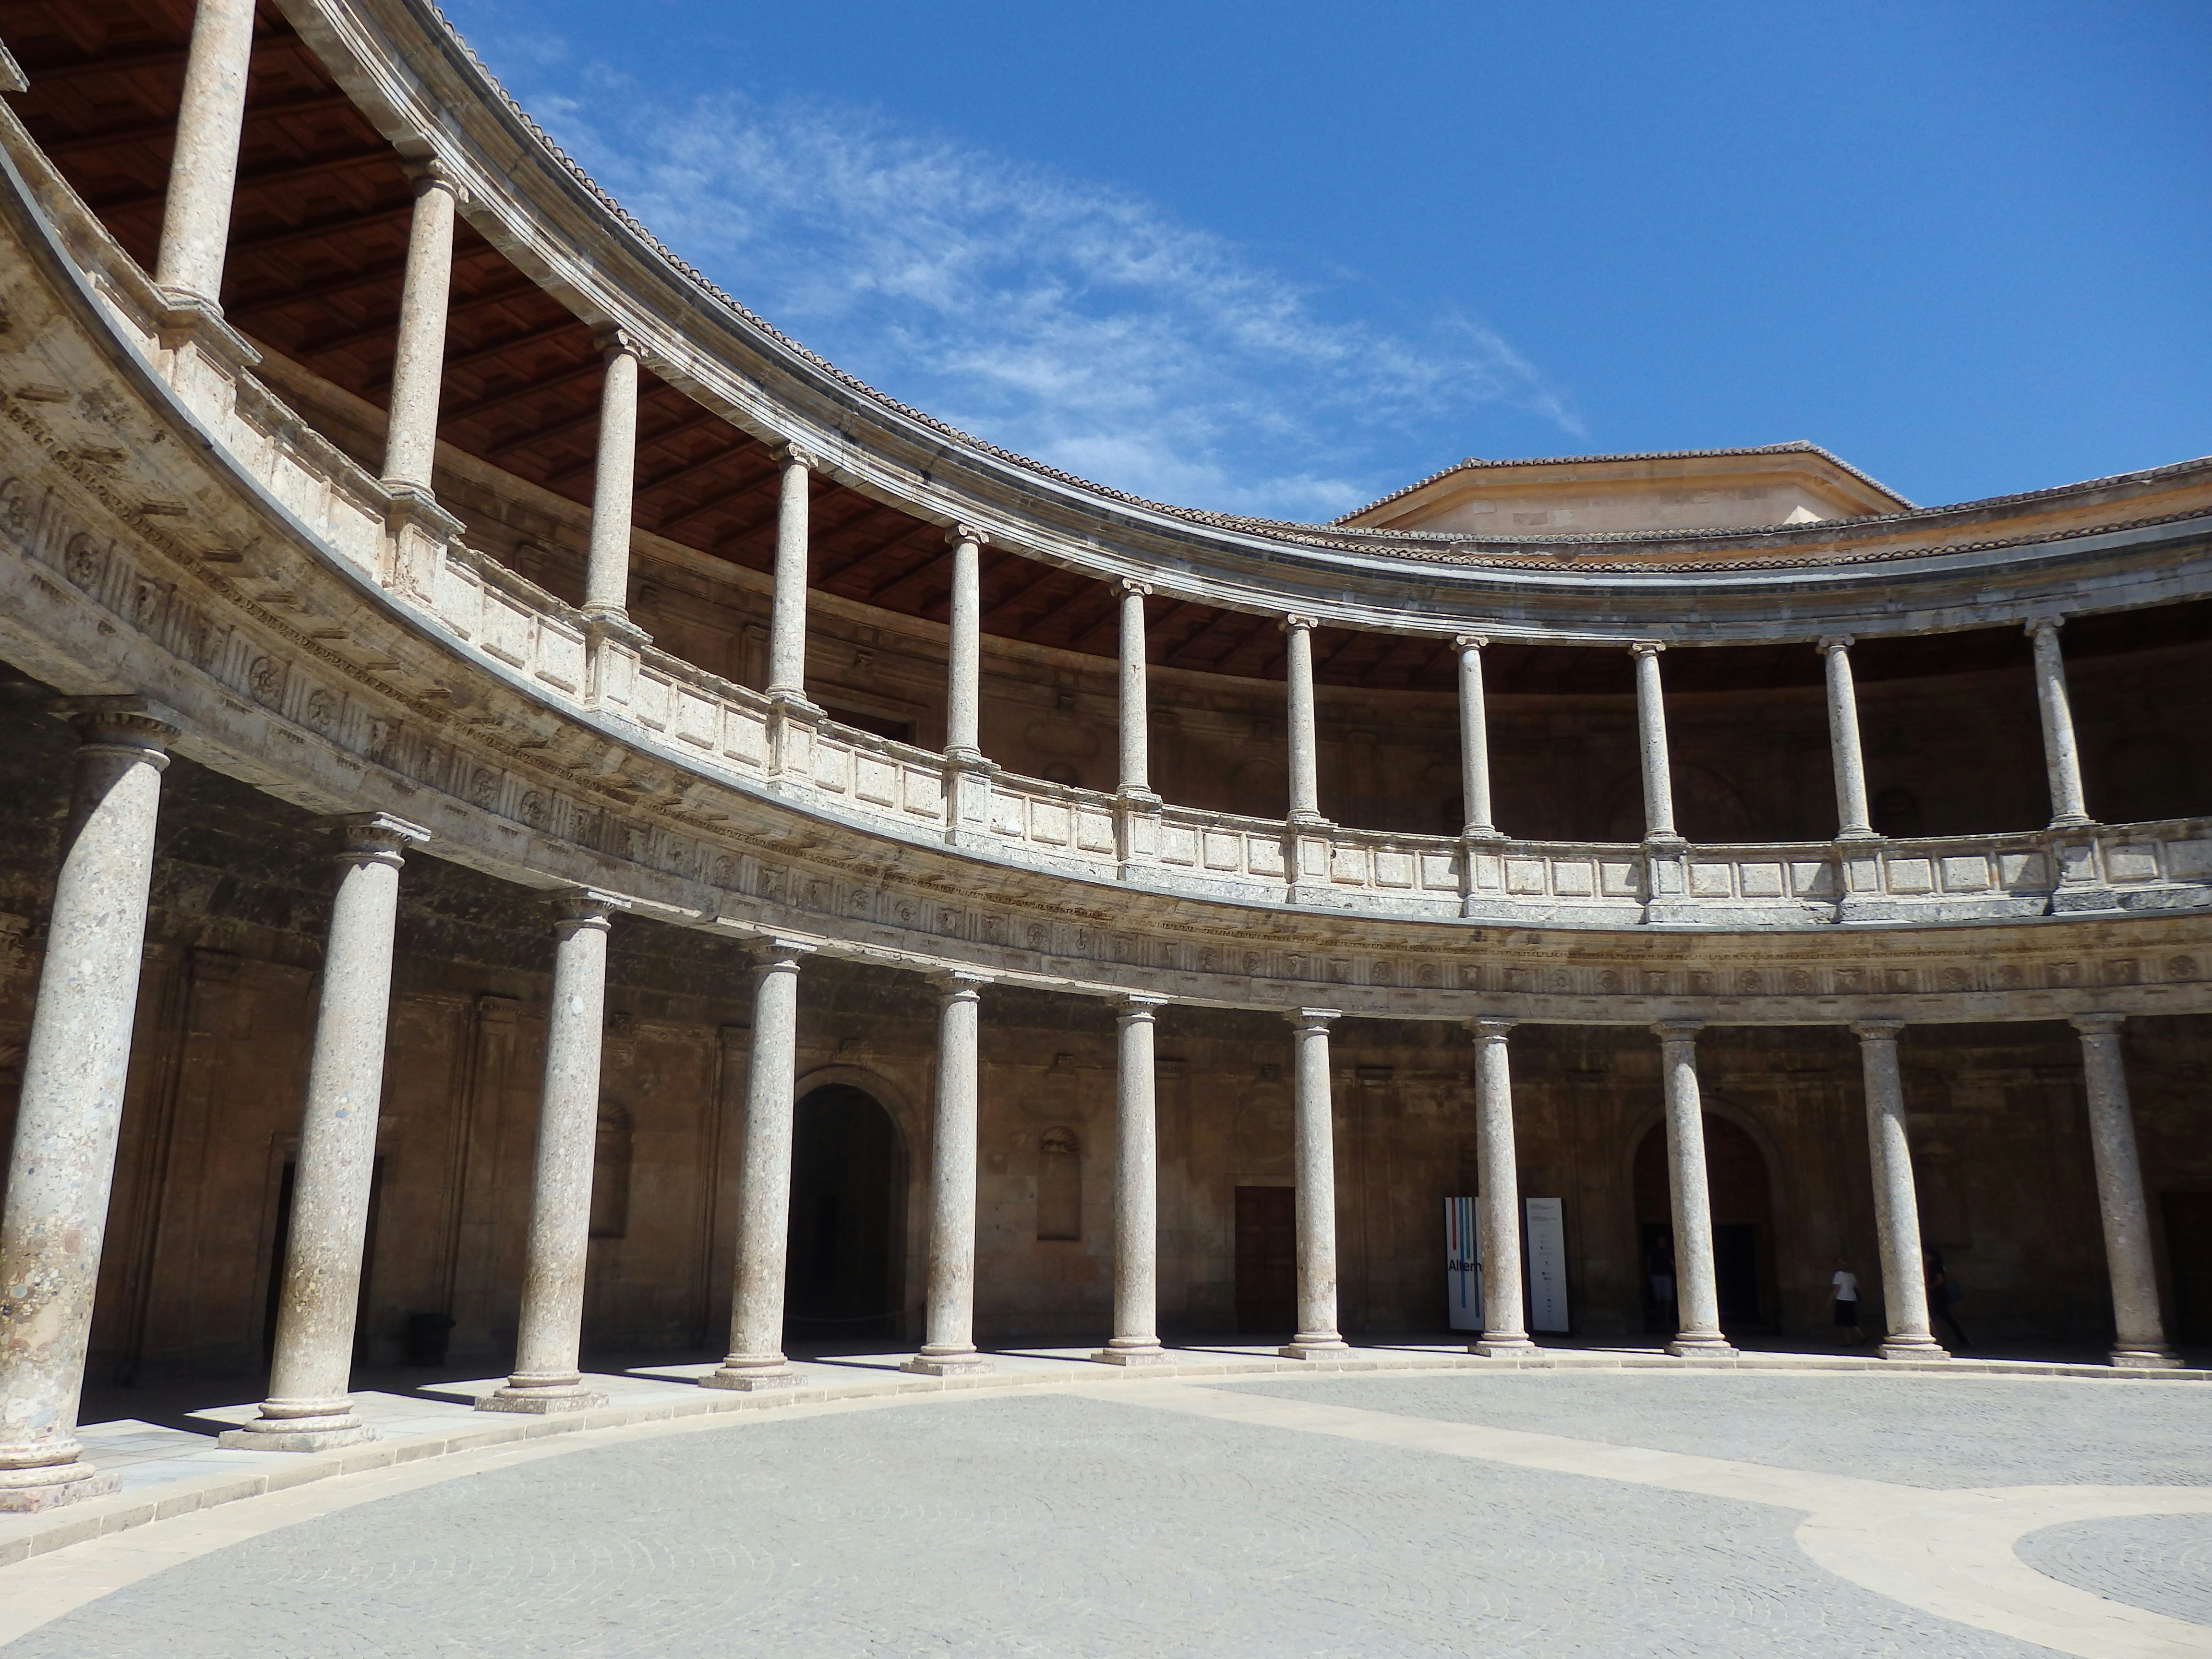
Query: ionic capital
[(1293, 622), (968, 533), (616, 341), (1472, 641), (1131, 585), (791, 452), (2037, 626), (423, 177), (1646, 648), (1832, 643)]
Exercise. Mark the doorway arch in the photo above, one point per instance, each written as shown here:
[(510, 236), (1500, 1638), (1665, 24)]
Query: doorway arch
[(1742, 1194), (847, 1267)]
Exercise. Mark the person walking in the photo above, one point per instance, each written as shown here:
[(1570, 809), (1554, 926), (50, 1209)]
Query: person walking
[(1846, 1285), (1943, 1301)]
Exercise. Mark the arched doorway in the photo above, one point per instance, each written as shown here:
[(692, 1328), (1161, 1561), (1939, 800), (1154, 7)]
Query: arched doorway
[(848, 1220), (1743, 1227)]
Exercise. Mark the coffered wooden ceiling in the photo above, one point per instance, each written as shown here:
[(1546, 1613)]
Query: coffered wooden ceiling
[(318, 243)]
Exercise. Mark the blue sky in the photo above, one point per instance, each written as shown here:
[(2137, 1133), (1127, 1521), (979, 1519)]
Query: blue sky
[(1280, 259)]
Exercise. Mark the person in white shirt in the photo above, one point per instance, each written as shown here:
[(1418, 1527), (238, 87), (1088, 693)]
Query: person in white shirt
[(1847, 1302)]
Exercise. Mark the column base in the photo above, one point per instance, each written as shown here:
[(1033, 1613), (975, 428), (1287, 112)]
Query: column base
[(2146, 1359), (278, 1434), (1318, 1344), (1152, 1355), (50, 1486), (749, 1379), (1919, 1347), (946, 1364), (1697, 1345), (1502, 1347), (541, 1403)]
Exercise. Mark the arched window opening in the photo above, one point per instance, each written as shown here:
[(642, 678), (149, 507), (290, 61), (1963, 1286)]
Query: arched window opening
[(1060, 1185)]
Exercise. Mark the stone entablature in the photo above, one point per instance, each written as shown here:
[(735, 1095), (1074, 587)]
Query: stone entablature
[(318, 647)]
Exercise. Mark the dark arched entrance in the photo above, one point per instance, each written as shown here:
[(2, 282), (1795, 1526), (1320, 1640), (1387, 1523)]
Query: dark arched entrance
[(848, 1220), (1743, 1227)]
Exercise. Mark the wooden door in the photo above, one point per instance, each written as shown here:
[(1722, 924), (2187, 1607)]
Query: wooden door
[(1266, 1260)]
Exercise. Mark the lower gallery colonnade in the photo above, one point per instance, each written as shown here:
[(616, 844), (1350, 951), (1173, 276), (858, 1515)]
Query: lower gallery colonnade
[(66, 1137)]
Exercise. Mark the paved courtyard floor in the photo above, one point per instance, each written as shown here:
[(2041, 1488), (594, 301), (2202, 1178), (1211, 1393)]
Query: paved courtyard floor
[(1623, 1514)]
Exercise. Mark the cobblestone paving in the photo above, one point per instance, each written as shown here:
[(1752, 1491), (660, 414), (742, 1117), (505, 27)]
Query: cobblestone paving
[(2162, 1562), (1911, 1431), (1047, 1524)]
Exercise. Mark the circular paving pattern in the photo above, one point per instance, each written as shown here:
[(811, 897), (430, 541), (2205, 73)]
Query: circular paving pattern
[(1082, 1523)]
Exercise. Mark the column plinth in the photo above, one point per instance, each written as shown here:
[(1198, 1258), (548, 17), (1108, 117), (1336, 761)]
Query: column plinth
[(948, 1347), (756, 1359), (1317, 1337), (62, 1164), (310, 1407)]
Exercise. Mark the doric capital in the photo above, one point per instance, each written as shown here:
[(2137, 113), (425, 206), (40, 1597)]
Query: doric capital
[(1294, 622), (1487, 1029), (374, 836), (967, 532), (961, 984), (2097, 1025), (1673, 1031), (585, 906), (791, 452), (1646, 648), (1471, 642), (1831, 643), (427, 176), (1877, 1030), (129, 722), (1131, 585), (1313, 1019), (776, 954), (1139, 1005)]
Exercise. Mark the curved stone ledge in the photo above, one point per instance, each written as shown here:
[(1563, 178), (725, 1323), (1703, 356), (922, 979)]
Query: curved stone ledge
[(169, 529)]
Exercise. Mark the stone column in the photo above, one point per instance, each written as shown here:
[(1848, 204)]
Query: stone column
[(418, 369), (1315, 1166), (1306, 766), (1896, 1207), (1136, 733), (63, 1162), (1696, 1299), (1651, 740), (756, 1358), (2062, 760), (1852, 820), (606, 572), (546, 1375), (948, 1334), (309, 1408), (2140, 1331), (203, 170), (786, 627), (963, 702), (1136, 1340), (1504, 1323), (1473, 740)]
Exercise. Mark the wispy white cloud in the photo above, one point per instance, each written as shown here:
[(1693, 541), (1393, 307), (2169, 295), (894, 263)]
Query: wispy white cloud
[(1063, 318)]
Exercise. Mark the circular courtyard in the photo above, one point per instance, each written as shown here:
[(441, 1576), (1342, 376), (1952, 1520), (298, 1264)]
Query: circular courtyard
[(1532, 1513)]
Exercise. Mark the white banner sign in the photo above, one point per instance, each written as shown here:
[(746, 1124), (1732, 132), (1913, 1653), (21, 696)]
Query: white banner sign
[(1546, 1246), (1463, 1264)]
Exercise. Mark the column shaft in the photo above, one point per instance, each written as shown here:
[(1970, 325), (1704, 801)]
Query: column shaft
[(203, 168), (1315, 1166), (1504, 1320), (2139, 1328), (756, 1358), (1136, 1339), (1896, 1206), (963, 701), (1305, 749), (62, 1160), (546, 1376), (614, 484), (418, 368), (308, 1407), (1651, 739), (1697, 1296), (786, 627), (1852, 820), (1473, 740), (1136, 735), (949, 1331), (2062, 760)]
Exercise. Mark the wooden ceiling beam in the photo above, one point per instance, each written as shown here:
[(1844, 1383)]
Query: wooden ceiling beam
[(720, 498), (383, 330), (499, 400), (690, 422), (328, 288), (136, 62), (267, 179), (315, 230), (146, 132)]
